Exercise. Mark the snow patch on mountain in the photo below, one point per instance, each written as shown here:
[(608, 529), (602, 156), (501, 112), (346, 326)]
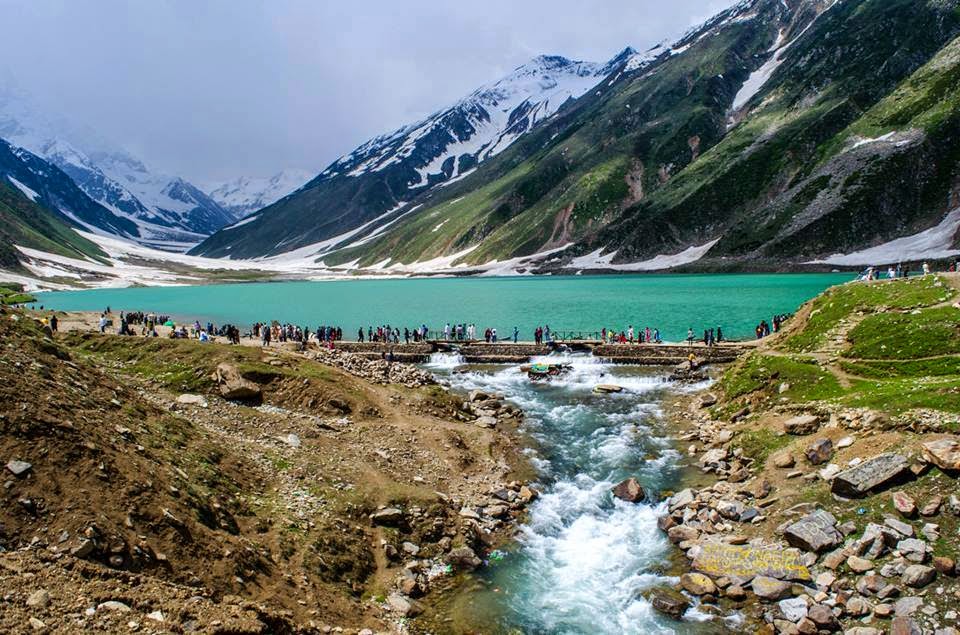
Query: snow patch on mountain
[(248, 194), (598, 260), (31, 194), (933, 243)]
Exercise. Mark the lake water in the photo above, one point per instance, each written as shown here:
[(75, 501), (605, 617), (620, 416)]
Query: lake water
[(670, 302)]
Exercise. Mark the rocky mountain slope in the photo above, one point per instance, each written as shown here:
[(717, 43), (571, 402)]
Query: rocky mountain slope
[(778, 133), (41, 205), (371, 184), (169, 212)]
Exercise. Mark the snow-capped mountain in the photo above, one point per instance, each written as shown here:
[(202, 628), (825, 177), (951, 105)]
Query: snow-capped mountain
[(392, 169), (453, 141), (248, 194), (169, 212)]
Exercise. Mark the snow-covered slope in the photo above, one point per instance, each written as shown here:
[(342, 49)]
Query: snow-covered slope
[(169, 212), (247, 194), (393, 169), (452, 141)]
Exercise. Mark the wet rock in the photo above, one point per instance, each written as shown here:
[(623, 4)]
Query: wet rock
[(735, 592), (918, 575), (944, 453), (871, 474), (819, 451), (479, 395), (606, 389), (814, 532), (802, 425), (234, 386), (668, 601), (18, 468), (463, 559), (770, 588), (697, 584), (629, 490), (904, 504)]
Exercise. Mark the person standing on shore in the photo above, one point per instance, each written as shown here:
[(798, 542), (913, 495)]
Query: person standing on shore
[(516, 334)]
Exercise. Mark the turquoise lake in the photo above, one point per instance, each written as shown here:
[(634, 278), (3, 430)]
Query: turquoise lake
[(672, 303)]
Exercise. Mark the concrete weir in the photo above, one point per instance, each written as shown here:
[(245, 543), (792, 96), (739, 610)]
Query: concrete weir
[(522, 352)]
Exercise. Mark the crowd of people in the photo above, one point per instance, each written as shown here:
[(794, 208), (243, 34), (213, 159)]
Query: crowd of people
[(392, 335), (645, 335)]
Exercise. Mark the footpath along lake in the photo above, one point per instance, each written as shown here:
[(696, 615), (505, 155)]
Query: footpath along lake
[(583, 559), (670, 302)]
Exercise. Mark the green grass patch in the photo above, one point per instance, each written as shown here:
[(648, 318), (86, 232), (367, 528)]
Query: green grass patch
[(844, 301), (760, 444), (806, 380), (929, 333), (892, 369), (896, 396)]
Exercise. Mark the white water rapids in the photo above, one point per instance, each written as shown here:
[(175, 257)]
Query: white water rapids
[(584, 558)]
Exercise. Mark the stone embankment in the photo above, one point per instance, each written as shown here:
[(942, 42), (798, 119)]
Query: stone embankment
[(867, 560)]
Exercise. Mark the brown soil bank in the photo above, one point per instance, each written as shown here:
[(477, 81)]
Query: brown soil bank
[(136, 497)]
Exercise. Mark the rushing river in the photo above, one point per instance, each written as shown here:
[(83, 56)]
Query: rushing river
[(584, 558)]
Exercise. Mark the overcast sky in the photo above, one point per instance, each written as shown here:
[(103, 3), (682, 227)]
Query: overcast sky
[(211, 89)]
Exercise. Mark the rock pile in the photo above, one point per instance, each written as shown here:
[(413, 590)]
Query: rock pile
[(454, 536), (378, 371), (489, 409)]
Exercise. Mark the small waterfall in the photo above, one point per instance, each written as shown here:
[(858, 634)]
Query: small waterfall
[(445, 360)]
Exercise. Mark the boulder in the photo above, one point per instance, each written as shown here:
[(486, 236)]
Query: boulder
[(682, 533), (629, 490), (681, 499), (18, 468), (391, 516), (708, 400), (714, 456), (913, 549), (918, 575), (858, 564), (905, 626), (668, 601), (871, 474), (932, 506), (819, 451), (770, 588), (783, 459), (793, 609), (192, 400), (720, 559), (606, 389), (479, 395), (814, 532), (823, 617), (234, 386), (904, 504), (907, 606), (802, 425), (945, 565), (403, 605), (697, 584), (463, 559), (944, 453)]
